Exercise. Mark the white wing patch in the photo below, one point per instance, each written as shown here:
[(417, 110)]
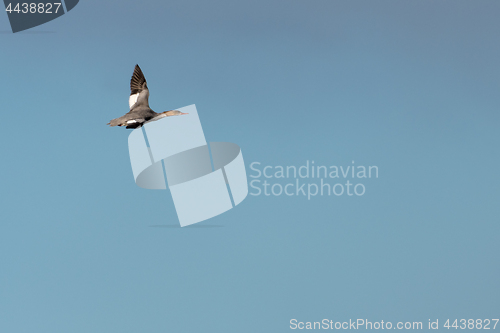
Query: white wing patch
[(132, 100), (133, 121)]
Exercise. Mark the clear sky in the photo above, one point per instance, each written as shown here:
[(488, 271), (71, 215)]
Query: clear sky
[(409, 86)]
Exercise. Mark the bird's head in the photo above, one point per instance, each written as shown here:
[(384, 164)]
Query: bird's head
[(173, 113)]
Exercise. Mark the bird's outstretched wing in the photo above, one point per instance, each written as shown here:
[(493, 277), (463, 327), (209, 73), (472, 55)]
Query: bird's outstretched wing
[(139, 93)]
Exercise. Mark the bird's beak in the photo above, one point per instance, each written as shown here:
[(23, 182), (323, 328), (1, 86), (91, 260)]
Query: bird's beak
[(184, 113)]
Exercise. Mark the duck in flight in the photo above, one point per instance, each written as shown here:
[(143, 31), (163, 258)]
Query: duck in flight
[(140, 112)]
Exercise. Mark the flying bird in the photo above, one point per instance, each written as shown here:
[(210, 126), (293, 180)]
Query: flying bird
[(140, 112)]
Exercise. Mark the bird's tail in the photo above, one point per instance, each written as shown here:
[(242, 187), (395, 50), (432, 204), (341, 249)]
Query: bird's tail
[(115, 122)]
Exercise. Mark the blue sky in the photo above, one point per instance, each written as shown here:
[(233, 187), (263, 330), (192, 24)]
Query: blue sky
[(411, 87)]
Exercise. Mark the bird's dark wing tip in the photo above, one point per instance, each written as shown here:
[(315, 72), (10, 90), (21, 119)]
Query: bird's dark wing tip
[(137, 80)]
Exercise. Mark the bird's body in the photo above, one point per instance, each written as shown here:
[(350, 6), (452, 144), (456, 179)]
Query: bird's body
[(140, 112)]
